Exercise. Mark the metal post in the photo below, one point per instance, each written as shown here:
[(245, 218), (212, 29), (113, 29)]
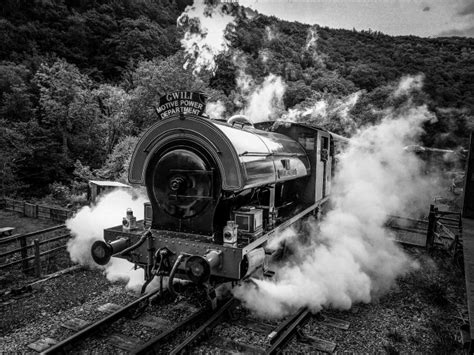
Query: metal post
[(37, 259), (431, 227), (24, 254), (468, 193)]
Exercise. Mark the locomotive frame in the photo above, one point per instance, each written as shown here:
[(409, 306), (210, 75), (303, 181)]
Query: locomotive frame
[(199, 173)]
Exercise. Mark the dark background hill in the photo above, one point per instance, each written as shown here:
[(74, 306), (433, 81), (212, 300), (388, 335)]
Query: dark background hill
[(78, 79)]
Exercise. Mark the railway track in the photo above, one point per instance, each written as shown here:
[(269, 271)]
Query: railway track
[(28, 289), (273, 338), (185, 329), (68, 344)]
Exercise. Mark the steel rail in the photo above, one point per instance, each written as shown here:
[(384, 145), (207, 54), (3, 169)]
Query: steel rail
[(280, 336), (64, 346), (30, 286), (153, 346), (208, 324)]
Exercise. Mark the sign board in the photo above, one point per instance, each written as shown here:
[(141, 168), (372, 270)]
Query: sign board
[(181, 102)]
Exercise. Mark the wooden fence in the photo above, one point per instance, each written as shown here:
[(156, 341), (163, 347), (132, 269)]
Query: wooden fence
[(445, 229), (37, 211), (28, 252), (410, 231), (442, 228)]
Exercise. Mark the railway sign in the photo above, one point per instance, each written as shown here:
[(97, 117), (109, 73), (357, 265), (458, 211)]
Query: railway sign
[(181, 102)]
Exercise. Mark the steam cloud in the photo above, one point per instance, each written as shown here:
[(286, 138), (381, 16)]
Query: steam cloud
[(350, 256), (215, 110), (87, 226), (264, 101), (408, 84), (206, 27), (311, 39), (332, 113)]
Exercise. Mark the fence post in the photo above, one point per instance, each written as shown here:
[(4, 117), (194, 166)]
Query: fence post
[(24, 254), (37, 259), (431, 227)]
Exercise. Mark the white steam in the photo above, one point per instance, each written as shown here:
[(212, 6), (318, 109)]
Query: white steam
[(215, 110), (270, 33), (311, 39), (257, 101), (331, 113), (265, 100), (350, 256), (88, 225), (311, 46), (408, 84), (206, 27)]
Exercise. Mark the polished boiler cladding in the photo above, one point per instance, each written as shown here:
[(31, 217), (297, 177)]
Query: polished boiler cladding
[(218, 191)]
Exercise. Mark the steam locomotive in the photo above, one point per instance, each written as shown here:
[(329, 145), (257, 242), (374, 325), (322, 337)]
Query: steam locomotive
[(218, 191)]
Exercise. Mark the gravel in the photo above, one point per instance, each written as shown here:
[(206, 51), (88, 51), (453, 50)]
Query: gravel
[(77, 294), (422, 313)]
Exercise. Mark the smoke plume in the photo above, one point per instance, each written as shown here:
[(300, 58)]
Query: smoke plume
[(331, 113), (311, 39), (88, 225), (264, 101), (350, 256), (206, 27), (215, 110), (408, 84)]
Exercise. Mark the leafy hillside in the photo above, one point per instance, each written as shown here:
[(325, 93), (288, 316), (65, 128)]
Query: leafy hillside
[(78, 80), (100, 37)]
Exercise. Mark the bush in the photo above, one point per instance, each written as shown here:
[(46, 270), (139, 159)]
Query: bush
[(60, 192)]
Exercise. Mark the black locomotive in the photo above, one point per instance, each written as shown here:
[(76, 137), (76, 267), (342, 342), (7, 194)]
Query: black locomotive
[(218, 191)]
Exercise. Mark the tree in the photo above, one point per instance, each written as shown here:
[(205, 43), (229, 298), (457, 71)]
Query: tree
[(364, 76), (116, 166), (13, 148), (61, 86), (114, 105), (154, 78), (16, 111), (295, 93), (67, 127)]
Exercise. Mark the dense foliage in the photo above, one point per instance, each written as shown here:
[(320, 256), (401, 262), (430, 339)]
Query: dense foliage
[(79, 78)]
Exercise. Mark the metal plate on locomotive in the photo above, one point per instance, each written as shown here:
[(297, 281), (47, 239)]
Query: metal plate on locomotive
[(192, 244), (231, 257)]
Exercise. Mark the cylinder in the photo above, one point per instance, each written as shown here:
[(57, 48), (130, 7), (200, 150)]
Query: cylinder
[(102, 252), (252, 261), (198, 268)]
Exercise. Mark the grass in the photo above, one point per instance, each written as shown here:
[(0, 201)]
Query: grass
[(445, 341), (436, 293), (395, 336), (13, 276), (390, 349)]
